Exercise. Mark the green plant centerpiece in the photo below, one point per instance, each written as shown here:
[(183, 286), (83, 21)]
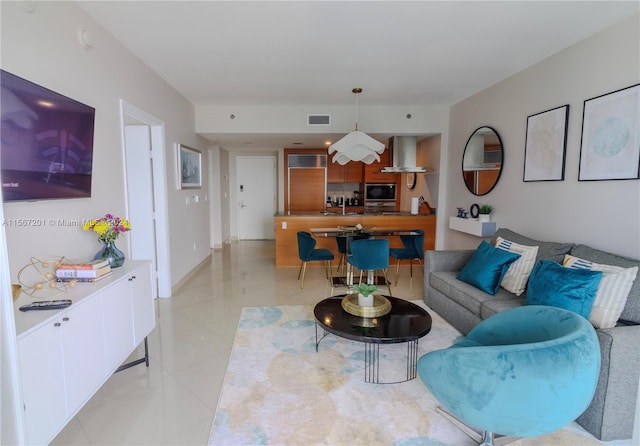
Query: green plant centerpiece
[(365, 293)]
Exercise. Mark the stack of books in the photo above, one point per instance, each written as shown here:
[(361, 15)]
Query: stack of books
[(83, 272)]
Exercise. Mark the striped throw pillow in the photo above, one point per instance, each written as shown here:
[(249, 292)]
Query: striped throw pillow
[(517, 276), (613, 290)]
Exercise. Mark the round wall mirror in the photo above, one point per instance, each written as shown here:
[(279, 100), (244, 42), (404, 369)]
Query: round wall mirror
[(482, 161)]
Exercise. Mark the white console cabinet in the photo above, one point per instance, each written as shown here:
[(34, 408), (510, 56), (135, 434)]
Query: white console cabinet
[(66, 355)]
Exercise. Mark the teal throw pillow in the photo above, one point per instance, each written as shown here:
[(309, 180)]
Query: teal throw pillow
[(487, 267), (572, 289)]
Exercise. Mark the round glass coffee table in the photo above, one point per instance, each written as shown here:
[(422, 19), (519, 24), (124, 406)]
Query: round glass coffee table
[(405, 323)]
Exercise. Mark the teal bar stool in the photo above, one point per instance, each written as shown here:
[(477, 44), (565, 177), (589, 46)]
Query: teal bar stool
[(370, 255), (308, 253), (524, 372), (413, 249)]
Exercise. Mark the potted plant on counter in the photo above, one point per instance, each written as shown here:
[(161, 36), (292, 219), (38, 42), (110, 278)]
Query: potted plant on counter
[(485, 212), (365, 293)]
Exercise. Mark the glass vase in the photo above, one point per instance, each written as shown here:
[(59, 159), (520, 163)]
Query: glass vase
[(111, 252)]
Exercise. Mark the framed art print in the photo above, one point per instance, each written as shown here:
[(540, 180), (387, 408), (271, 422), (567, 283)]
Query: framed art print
[(189, 167), (546, 145), (610, 146)]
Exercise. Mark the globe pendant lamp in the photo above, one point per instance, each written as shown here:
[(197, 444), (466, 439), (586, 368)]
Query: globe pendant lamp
[(357, 145)]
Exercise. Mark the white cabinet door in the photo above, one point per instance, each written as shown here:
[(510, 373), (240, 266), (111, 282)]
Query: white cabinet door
[(144, 318), (83, 351), (42, 374), (118, 323)]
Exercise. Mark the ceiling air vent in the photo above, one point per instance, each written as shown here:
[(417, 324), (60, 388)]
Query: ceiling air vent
[(318, 119)]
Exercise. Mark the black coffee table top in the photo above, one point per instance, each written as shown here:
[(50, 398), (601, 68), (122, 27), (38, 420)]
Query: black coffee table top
[(405, 322)]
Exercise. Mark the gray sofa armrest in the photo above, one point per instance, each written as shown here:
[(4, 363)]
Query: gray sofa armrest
[(453, 260), (610, 415)]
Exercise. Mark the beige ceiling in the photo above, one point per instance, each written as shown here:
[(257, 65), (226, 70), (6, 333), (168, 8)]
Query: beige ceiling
[(300, 52)]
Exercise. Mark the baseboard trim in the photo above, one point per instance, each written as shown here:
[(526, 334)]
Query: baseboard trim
[(180, 283)]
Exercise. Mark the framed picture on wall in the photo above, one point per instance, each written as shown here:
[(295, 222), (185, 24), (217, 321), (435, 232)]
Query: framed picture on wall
[(189, 167), (610, 145), (546, 145)]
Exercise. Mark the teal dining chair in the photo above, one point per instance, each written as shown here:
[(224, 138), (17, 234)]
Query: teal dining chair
[(523, 372), (413, 249), (370, 255), (341, 242), (307, 252)]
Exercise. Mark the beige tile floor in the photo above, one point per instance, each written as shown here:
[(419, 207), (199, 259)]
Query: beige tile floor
[(174, 400)]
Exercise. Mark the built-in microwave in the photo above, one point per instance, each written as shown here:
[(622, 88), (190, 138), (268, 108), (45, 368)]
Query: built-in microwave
[(380, 192)]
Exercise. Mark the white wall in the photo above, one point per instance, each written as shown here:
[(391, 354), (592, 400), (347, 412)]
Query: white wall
[(603, 214), (41, 46)]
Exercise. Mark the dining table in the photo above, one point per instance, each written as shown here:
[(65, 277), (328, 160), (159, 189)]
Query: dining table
[(349, 232)]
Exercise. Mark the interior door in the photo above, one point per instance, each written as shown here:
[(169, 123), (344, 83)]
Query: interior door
[(140, 195), (256, 192)]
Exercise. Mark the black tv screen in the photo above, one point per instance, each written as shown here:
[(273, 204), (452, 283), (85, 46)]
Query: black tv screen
[(46, 142)]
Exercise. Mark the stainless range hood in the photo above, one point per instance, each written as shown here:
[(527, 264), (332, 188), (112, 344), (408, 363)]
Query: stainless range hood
[(403, 149)]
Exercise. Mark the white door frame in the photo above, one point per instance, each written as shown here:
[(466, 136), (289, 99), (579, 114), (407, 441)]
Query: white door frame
[(157, 130)]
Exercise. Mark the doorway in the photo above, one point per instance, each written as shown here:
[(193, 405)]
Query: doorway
[(143, 136), (256, 192)]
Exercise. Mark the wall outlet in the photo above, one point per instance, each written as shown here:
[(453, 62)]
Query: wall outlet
[(194, 247), (284, 225)]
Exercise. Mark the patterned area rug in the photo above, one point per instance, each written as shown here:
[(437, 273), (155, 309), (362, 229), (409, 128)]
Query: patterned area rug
[(279, 391)]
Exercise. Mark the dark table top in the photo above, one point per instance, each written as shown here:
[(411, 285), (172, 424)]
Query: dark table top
[(405, 322)]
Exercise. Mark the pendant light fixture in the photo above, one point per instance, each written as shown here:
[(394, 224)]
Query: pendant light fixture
[(357, 145)]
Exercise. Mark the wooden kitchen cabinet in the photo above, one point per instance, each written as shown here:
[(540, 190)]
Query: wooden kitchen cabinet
[(352, 172), (372, 172)]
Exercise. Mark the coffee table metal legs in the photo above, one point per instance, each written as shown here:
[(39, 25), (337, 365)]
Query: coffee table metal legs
[(372, 363), (372, 359)]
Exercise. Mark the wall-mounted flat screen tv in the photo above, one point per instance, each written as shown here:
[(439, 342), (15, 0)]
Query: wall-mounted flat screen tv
[(46, 142)]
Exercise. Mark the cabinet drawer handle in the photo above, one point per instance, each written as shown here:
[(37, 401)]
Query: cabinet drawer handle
[(131, 278), (65, 319), (57, 324)]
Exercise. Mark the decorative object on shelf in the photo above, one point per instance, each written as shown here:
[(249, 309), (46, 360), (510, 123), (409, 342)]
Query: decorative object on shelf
[(357, 145), (110, 252), (546, 145), (38, 278), (380, 307), (482, 161), (109, 229), (189, 167), (462, 213), (485, 213), (474, 211), (610, 148)]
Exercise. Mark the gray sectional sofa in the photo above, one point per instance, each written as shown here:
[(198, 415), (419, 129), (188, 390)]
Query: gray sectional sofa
[(611, 413)]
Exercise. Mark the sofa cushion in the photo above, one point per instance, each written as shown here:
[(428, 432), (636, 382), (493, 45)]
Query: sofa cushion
[(568, 288), (546, 250), (516, 278), (613, 290), (487, 267), (500, 302), (631, 310)]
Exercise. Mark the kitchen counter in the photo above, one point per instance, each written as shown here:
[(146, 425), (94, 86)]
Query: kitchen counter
[(347, 214), (288, 225)]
